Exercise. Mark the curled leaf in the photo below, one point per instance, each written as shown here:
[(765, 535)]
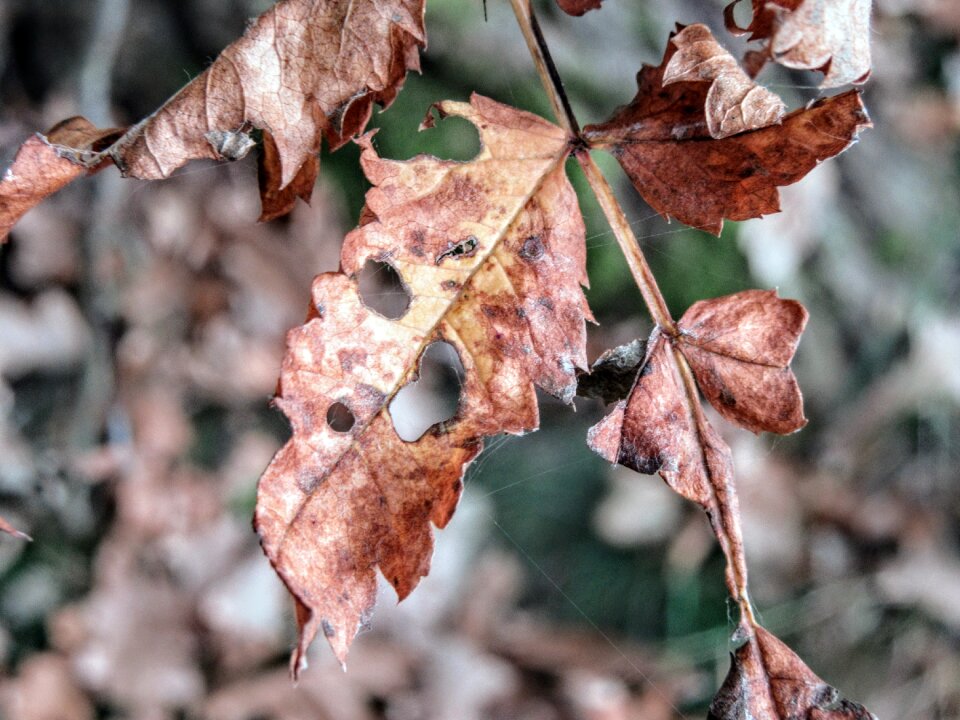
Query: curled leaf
[(832, 36), (302, 71), (46, 163), (767, 680), (612, 374), (492, 255), (734, 103), (739, 348), (663, 141)]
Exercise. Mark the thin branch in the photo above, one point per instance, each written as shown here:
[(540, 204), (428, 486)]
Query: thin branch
[(629, 245), (545, 66)]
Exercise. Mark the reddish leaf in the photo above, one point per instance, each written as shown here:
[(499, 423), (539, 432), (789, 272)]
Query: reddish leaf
[(767, 680), (45, 164), (302, 71), (9, 529), (739, 348), (492, 253), (657, 429), (660, 141), (277, 200), (828, 35), (578, 7)]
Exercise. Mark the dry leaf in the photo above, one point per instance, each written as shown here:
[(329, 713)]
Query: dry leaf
[(659, 429), (302, 71), (661, 139), (492, 254), (828, 35), (739, 348), (6, 527), (47, 163), (578, 7), (767, 680), (734, 102)]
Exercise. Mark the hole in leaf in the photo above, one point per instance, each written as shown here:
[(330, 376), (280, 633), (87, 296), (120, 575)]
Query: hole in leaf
[(339, 418), (433, 398), (382, 290)]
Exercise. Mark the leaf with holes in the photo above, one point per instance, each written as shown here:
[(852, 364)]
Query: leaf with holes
[(302, 71), (674, 140), (832, 36), (491, 253)]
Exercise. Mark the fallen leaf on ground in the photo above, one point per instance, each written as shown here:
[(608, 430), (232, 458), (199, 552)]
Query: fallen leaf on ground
[(492, 255), (664, 143), (832, 36), (301, 72)]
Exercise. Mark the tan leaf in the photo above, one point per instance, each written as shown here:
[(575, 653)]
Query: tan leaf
[(9, 529), (578, 7), (47, 163), (767, 680), (303, 70), (739, 348), (660, 140), (734, 102), (492, 254), (832, 36)]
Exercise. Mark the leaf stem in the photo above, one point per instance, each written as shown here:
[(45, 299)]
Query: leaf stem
[(629, 245), (549, 76)]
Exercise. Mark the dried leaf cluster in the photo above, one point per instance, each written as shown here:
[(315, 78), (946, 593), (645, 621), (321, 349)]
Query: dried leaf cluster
[(491, 253)]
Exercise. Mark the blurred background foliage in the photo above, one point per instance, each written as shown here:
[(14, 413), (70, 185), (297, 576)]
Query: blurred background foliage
[(141, 330)]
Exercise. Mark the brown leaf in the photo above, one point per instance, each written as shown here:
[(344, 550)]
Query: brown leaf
[(492, 254), (612, 374), (659, 429), (303, 70), (276, 200), (578, 7), (9, 529), (739, 348), (767, 680), (734, 103), (832, 36), (46, 163), (660, 140)]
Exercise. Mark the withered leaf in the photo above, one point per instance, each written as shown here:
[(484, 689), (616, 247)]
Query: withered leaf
[(578, 7), (612, 374), (739, 348), (828, 35), (660, 429), (734, 103), (46, 163), (767, 680), (302, 71), (9, 529), (661, 139), (492, 254)]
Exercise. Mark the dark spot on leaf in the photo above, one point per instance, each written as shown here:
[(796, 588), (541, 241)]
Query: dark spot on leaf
[(449, 284), (462, 249), (532, 248), (328, 629)]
